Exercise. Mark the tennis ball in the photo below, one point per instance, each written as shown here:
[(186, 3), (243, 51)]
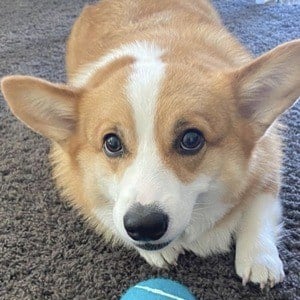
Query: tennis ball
[(158, 289)]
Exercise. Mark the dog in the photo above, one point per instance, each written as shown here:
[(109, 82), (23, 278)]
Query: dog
[(166, 137)]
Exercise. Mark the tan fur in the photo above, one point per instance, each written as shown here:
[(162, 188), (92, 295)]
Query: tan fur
[(88, 42), (208, 49), (85, 146), (109, 24)]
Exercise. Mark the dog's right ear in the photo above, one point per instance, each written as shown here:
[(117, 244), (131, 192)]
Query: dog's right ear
[(269, 85), (47, 108)]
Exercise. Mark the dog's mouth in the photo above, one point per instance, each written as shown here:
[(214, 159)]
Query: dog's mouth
[(152, 247)]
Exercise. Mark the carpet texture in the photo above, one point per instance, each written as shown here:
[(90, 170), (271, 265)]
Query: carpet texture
[(46, 250)]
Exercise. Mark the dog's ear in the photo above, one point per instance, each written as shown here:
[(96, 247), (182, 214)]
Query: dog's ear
[(47, 108), (268, 86)]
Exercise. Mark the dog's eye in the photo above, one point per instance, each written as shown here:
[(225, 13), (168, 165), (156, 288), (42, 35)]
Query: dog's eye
[(191, 142), (112, 145)]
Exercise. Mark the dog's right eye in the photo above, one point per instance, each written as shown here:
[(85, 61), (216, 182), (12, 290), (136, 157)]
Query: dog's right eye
[(190, 142), (112, 145)]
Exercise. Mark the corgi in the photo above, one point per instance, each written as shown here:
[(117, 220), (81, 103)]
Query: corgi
[(166, 136)]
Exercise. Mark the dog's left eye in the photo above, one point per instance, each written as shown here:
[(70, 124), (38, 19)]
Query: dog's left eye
[(191, 142), (112, 145)]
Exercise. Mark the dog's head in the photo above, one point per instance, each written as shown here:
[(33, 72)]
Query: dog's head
[(146, 142)]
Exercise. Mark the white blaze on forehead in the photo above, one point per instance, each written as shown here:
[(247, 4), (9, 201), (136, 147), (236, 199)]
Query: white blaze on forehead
[(143, 88), (142, 91), (141, 51)]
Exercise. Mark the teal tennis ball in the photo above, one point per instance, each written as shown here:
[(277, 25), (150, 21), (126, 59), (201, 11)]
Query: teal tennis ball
[(158, 289)]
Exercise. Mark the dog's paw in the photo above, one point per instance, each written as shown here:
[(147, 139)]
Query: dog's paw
[(155, 259), (161, 259), (262, 267)]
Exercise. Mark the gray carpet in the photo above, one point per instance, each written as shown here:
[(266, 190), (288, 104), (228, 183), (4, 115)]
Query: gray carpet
[(46, 250)]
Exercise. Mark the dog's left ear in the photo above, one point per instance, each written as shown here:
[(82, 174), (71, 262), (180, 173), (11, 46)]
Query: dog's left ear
[(268, 86), (45, 107)]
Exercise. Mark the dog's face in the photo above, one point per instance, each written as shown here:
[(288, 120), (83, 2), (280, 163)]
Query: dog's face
[(154, 147), (159, 144)]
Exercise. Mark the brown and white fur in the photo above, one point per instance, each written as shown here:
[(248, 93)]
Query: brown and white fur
[(147, 71)]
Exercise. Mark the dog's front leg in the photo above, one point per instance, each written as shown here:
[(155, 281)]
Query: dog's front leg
[(257, 258)]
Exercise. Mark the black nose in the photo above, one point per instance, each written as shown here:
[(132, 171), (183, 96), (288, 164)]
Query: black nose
[(145, 223)]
